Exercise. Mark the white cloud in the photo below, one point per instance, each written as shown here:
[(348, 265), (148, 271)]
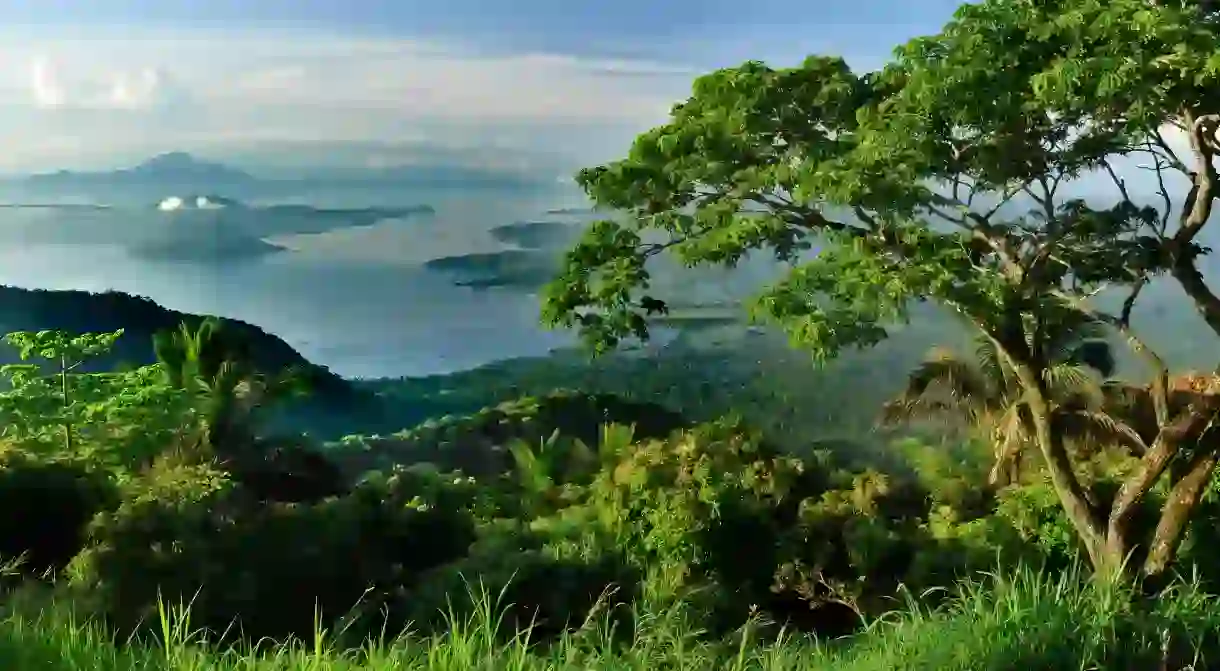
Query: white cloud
[(85, 99), (89, 87), (45, 85)]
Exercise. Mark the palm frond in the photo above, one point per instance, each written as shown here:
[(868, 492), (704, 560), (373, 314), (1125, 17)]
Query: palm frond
[(991, 365), (904, 410), (532, 467), (1134, 405), (943, 382), (1090, 429), (1075, 384)]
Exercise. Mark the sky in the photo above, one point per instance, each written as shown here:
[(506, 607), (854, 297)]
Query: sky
[(89, 84)]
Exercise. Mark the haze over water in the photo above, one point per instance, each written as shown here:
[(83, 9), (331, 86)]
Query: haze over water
[(356, 300)]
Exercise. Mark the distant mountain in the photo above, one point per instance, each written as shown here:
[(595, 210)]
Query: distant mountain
[(181, 172), (178, 169), (432, 175)]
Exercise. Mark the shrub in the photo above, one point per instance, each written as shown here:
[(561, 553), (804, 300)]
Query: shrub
[(712, 517), (535, 581), (289, 474), (260, 570), (48, 506)]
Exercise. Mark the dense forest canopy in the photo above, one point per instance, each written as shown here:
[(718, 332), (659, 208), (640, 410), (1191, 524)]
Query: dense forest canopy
[(1009, 105)]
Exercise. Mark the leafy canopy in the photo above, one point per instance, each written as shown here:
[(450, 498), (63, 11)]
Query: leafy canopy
[(116, 420), (941, 177)]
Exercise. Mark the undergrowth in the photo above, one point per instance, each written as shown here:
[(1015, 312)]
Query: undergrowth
[(1026, 620)]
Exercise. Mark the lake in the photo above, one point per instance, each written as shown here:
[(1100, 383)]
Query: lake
[(356, 300), (361, 301)]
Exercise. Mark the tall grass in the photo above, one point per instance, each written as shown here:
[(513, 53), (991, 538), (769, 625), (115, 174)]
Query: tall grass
[(1026, 620)]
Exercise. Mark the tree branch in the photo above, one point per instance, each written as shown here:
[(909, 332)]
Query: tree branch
[(1182, 501), (1190, 423), (1198, 207)]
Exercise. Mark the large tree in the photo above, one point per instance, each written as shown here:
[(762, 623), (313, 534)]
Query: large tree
[(946, 177)]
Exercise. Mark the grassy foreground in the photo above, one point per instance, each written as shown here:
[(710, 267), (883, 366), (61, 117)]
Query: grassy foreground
[(1028, 621)]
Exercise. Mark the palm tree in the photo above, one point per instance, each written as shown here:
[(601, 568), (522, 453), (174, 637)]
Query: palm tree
[(983, 395), (225, 386)]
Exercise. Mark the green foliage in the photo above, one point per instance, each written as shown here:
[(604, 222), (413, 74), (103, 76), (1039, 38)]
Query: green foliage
[(719, 523), (66, 350), (575, 519), (757, 377), (119, 419), (540, 585), (581, 524), (219, 374), (269, 571), (67, 353), (478, 444)]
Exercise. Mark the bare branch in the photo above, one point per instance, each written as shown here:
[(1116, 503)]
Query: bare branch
[(1124, 317), (1166, 201), (1170, 155), (1118, 181)]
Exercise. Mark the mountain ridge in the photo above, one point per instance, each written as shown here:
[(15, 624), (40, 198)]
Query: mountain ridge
[(183, 170), (77, 311), (176, 167)]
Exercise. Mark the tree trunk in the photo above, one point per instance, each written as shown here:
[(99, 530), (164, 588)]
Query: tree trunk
[(1083, 516), (1196, 210), (1119, 531), (1179, 507), (63, 387), (1207, 304)]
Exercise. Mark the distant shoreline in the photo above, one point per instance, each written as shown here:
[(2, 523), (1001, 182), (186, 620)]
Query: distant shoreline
[(55, 206)]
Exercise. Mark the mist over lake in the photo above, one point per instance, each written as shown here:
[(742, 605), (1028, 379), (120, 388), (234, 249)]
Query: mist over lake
[(356, 298)]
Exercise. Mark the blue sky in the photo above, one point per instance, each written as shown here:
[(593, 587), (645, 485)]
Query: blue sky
[(102, 82)]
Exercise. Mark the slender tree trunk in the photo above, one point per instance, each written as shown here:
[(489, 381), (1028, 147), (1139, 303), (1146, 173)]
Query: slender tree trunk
[(63, 388)]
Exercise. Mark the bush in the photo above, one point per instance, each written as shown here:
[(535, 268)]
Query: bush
[(289, 473), (720, 522), (539, 590), (260, 570), (48, 506)]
